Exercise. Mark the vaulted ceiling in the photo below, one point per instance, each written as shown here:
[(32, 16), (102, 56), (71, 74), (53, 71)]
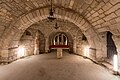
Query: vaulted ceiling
[(103, 15)]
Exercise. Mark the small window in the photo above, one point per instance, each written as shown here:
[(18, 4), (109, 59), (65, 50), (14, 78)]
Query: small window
[(60, 39), (84, 38), (28, 33)]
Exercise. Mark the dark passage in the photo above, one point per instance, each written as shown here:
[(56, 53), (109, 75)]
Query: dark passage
[(111, 48)]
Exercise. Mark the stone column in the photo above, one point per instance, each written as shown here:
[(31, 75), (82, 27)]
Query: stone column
[(54, 42), (36, 50), (46, 44), (74, 44), (62, 39), (4, 55), (98, 43), (58, 40), (66, 42)]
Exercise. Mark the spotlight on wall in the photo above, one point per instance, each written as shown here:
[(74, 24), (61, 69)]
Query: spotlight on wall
[(86, 51), (115, 64), (21, 52)]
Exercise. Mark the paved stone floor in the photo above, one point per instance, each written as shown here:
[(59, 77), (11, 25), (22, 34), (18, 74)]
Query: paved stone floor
[(47, 67)]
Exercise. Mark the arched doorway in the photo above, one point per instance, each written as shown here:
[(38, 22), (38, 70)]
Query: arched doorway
[(111, 48), (61, 40)]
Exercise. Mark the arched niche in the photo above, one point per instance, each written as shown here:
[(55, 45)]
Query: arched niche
[(68, 37), (31, 42), (60, 39)]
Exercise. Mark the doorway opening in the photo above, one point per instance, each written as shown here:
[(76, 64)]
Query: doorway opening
[(111, 48), (61, 40)]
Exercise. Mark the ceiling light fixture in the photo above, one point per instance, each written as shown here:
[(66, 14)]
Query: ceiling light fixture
[(51, 16), (51, 12)]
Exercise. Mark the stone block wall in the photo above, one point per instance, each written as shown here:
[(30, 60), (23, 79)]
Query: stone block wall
[(101, 14), (92, 53), (103, 45), (12, 54), (27, 43), (46, 28)]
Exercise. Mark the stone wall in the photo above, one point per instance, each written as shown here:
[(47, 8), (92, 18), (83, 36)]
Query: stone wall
[(48, 30), (27, 43), (91, 16), (42, 30), (103, 46)]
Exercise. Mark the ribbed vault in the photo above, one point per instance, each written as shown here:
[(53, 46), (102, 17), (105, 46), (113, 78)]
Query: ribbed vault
[(27, 20), (100, 13), (91, 16), (15, 31)]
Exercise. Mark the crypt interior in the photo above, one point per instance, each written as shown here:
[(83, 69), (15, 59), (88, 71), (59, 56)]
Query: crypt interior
[(63, 31)]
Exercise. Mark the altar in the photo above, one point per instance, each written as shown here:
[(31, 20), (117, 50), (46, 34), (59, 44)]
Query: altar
[(59, 49), (59, 53)]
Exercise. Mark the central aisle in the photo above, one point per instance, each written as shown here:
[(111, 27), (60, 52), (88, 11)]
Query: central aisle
[(48, 67)]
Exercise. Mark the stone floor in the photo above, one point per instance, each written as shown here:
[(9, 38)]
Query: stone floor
[(48, 67)]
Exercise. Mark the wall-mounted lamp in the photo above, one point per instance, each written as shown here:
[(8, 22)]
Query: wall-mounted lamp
[(86, 51), (21, 52), (51, 12), (115, 64)]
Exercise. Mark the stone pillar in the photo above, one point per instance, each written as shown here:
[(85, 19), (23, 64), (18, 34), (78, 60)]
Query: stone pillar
[(62, 39), (54, 42), (58, 40), (59, 53), (74, 45), (78, 49), (100, 42), (51, 42), (4, 55), (66, 42), (92, 53), (100, 54), (36, 50), (46, 45)]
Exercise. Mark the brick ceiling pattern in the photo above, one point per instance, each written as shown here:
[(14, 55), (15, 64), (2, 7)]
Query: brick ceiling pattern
[(103, 15)]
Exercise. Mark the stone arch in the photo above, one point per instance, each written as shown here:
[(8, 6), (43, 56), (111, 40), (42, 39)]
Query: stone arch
[(39, 39), (28, 32), (65, 38), (53, 34), (15, 31)]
